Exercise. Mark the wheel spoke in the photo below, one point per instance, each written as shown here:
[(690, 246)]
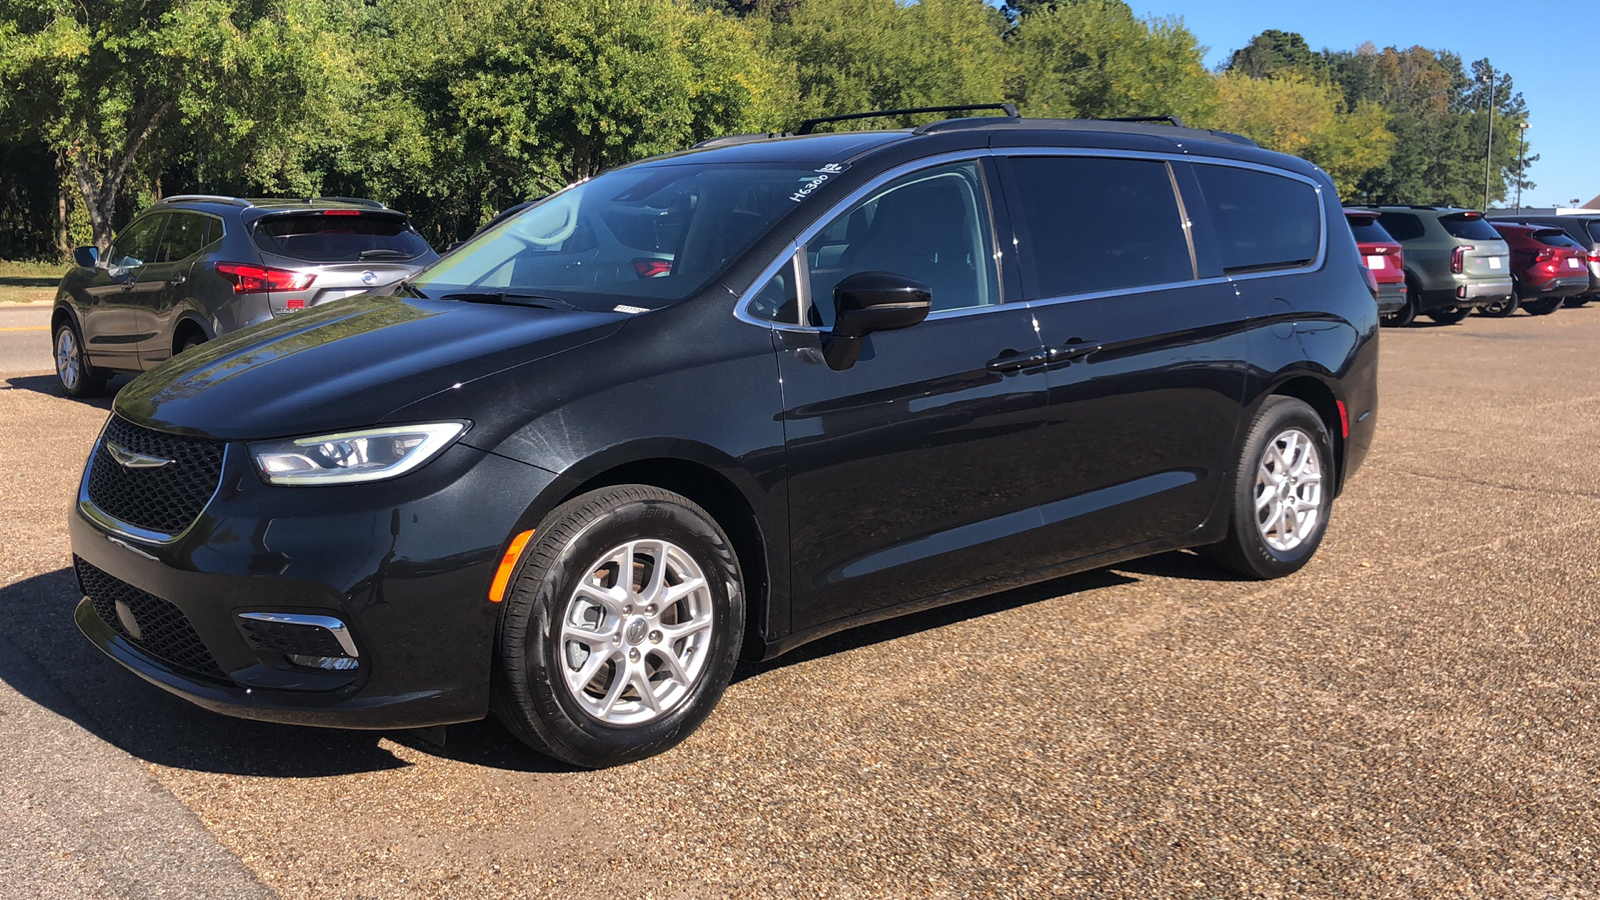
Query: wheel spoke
[(647, 691), (671, 633), (610, 598), (619, 682), (591, 667), (590, 637), (677, 592), (650, 591), (679, 673)]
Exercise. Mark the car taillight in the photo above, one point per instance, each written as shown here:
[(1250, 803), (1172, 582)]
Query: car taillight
[(1458, 258), (341, 212), (249, 279), (1372, 281), (1544, 256), (650, 267)]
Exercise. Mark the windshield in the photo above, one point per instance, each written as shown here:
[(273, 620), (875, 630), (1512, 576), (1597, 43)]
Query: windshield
[(655, 234)]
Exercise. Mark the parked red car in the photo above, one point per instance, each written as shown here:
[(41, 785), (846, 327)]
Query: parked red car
[(1547, 266), (1383, 256)]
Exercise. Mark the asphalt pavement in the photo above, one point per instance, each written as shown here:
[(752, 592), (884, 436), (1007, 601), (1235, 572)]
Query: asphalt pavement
[(24, 338), (1415, 714)]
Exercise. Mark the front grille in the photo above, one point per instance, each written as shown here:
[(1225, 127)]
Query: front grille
[(164, 632), (165, 499)]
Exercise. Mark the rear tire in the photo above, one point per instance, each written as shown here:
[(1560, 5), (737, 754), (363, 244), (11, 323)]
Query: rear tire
[(1543, 306), (1575, 302), (1280, 494), (191, 342), (622, 629), (1405, 315), (1450, 315), (73, 372)]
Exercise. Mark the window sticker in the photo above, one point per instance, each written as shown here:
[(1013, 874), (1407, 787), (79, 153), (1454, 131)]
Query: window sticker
[(818, 179)]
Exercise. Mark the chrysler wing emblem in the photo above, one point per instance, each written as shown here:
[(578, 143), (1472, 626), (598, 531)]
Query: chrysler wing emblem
[(131, 460)]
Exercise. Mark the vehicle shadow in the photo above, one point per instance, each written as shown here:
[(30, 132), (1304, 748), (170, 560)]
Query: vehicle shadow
[(938, 617), (47, 384), (59, 670)]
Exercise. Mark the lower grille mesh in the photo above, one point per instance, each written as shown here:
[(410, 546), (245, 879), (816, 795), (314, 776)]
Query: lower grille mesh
[(164, 632)]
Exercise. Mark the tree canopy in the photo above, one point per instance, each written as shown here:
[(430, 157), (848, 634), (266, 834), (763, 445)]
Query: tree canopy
[(453, 109)]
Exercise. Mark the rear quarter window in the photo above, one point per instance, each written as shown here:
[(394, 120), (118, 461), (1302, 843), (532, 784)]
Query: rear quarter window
[(1594, 231), (1262, 221), (316, 237), (1469, 227)]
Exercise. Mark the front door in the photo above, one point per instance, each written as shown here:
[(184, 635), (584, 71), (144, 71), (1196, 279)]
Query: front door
[(107, 317), (163, 287), (910, 469)]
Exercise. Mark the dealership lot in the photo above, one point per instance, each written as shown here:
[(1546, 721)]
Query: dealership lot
[(1413, 714)]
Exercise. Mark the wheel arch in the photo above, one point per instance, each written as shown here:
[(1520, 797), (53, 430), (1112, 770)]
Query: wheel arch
[(189, 324), (1316, 393), (710, 486)]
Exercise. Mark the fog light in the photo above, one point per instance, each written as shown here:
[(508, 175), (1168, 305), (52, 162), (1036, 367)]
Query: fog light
[(331, 663)]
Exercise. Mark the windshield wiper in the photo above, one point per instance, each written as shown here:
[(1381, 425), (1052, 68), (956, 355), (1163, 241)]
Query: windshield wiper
[(406, 287), (384, 253), (509, 298)]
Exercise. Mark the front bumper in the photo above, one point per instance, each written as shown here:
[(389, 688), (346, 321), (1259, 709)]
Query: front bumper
[(404, 564)]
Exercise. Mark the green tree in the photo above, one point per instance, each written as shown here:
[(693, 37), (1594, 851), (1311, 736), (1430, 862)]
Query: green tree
[(515, 98), (860, 55), (1095, 58), (1274, 52), (1294, 114), (113, 89)]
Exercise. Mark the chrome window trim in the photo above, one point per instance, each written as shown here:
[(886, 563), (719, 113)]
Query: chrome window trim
[(116, 526), (798, 245), (740, 309)]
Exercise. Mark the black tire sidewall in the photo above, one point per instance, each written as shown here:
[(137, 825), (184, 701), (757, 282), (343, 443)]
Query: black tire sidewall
[(90, 382), (1278, 414), (565, 730)]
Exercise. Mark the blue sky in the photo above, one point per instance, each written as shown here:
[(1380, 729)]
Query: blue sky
[(1563, 126)]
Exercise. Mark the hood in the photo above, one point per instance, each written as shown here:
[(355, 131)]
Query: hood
[(346, 364)]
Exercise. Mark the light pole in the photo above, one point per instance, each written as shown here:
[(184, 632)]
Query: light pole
[(1488, 153), (1522, 158)]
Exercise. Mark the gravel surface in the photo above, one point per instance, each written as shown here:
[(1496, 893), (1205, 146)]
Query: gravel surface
[(1414, 714)]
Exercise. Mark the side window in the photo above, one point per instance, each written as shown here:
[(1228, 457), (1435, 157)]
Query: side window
[(185, 235), (1099, 224), (136, 245), (931, 225), (1402, 226), (1262, 221)]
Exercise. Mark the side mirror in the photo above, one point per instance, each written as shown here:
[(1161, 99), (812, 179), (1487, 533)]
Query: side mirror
[(872, 301), (86, 256)]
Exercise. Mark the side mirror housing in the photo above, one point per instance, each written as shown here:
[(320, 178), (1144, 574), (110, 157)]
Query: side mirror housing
[(872, 301), (86, 256)]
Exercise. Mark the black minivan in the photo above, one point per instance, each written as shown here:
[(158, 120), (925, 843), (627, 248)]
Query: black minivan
[(728, 401)]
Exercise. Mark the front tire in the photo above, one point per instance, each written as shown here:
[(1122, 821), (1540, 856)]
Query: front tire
[(1281, 492), (622, 630), (73, 372)]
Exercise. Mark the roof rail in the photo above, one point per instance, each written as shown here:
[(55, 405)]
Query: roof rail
[(205, 198), (1174, 121), (809, 125), (359, 201), (730, 139)]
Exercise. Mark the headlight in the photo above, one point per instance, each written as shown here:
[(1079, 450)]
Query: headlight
[(369, 455)]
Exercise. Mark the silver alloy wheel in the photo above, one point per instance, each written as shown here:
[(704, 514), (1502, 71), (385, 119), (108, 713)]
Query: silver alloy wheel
[(1289, 490), (69, 362), (636, 632)]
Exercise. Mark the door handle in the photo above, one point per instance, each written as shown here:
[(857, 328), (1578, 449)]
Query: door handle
[(1071, 350), (177, 279), (1011, 361)]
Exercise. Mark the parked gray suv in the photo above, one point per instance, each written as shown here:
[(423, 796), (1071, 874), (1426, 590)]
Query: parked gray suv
[(193, 267), (1455, 261)]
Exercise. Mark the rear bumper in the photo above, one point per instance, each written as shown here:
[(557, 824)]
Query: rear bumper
[(1560, 286), (1391, 297)]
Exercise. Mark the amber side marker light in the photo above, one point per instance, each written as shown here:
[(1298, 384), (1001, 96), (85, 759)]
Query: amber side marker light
[(508, 563)]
